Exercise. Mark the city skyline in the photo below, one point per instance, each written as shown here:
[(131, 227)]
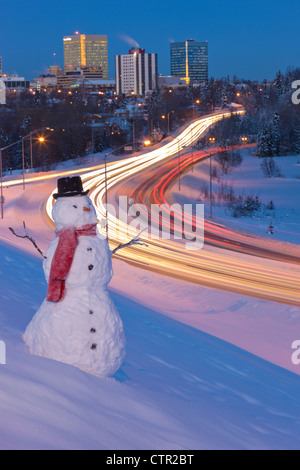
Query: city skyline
[(251, 42)]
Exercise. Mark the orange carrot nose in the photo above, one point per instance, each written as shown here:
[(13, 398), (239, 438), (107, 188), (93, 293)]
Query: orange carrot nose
[(86, 209)]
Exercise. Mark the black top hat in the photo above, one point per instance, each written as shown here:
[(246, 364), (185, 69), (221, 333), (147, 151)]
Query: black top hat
[(69, 186)]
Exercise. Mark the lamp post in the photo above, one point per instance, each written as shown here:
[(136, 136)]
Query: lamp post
[(179, 163), (41, 139), (31, 153), (211, 140), (147, 142), (192, 149), (168, 119), (133, 135), (1, 173), (92, 124), (93, 142), (23, 162)]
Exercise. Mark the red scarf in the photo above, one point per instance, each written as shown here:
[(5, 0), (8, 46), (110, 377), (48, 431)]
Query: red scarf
[(63, 258)]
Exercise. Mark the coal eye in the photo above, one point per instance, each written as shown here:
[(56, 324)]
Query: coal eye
[(75, 207)]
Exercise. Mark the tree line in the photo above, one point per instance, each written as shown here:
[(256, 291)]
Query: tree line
[(271, 119)]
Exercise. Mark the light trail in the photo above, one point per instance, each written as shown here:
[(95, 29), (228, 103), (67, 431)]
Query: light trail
[(249, 275), (237, 272)]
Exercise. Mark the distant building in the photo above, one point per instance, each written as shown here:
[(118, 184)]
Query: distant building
[(85, 50), (0, 66), (136, 72), (189, 60), (14, 82), (45, 81), (169, 82), (2, 92), (80, 75), (55, 70)]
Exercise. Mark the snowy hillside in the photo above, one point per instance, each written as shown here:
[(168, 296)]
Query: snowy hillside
[(179, 388), (278, 196)]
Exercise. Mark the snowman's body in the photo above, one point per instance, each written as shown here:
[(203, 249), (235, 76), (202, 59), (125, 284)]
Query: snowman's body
[(83, 329)]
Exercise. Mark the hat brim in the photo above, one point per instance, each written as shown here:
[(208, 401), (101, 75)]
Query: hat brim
[(70, 194)]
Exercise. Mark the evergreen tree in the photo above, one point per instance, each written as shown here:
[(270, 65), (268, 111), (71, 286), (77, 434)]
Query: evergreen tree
[(276, 135), (224, 98), (279, 84), (190, 93), (264, 142)]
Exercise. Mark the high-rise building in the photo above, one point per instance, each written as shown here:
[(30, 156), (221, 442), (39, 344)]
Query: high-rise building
[(0, 66), (136, 72), (189, 60), (85, 50)]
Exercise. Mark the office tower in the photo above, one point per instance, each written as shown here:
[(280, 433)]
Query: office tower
[(85, 50), (189, 60), (136, 72)]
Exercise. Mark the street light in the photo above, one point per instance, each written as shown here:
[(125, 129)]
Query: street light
[(105, 182), (197, 102), (1, 173), (179, 163), (41, 139), (192, 148), (92, 125), (211, 140), (168, 118)]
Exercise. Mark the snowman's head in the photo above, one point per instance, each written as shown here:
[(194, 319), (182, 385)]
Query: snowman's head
[(73, 211)]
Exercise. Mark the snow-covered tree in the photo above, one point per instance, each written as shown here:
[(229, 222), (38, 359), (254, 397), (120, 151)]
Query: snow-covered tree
[(270, 168), (264, 142), (279, 83)]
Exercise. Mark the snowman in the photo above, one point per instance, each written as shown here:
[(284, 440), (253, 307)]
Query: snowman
[(77, 323)]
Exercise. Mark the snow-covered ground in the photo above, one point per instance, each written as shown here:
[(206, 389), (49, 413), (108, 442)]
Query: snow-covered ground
[(179, 388), (248, 179), (201, 369)]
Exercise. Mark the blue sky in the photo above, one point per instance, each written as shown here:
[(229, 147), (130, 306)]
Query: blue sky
[(249, 39)]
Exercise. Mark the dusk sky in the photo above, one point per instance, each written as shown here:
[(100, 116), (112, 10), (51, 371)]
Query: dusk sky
[(247, 39)]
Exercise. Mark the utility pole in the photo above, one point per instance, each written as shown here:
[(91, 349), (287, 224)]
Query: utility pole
[(133, 135), (31, 153), (23, 163)]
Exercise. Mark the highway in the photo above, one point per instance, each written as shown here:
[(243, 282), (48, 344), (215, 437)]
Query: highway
[(227, 260)]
